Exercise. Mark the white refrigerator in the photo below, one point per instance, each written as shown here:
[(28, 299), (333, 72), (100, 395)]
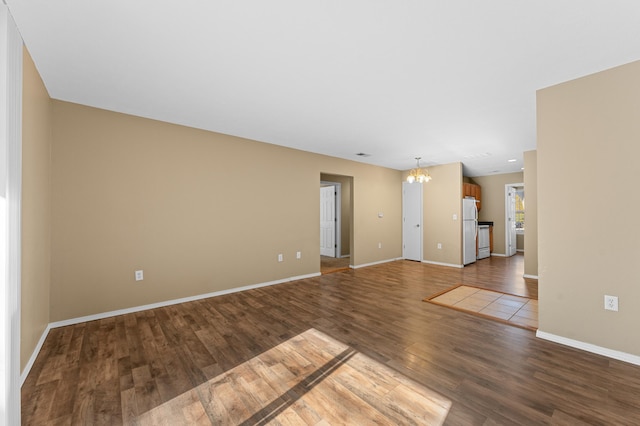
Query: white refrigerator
[(469, 230)]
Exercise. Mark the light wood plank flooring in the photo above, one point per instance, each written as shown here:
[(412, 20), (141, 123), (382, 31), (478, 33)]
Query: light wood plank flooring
[(353, 347)]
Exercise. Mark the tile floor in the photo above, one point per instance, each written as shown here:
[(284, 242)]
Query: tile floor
[(520, 311)]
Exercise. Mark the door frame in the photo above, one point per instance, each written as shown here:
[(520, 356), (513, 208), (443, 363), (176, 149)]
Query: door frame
[(338, 197), (507, 227), (10, 216)]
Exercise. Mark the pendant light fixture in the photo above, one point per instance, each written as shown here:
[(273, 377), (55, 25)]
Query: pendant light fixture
[(418, 174)]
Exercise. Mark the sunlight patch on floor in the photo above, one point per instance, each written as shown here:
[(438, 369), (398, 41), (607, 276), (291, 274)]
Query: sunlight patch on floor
[(308, 379)]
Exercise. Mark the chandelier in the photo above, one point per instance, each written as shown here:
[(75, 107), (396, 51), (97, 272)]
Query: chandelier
[(418, 174)]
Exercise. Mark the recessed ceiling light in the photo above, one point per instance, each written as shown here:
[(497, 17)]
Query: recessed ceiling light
[(512, 160)]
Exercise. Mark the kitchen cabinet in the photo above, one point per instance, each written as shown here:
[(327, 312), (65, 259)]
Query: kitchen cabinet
[(473, 190), (466, 190)]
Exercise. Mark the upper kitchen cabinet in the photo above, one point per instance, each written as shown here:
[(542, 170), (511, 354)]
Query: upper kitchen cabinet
[(473, 190)]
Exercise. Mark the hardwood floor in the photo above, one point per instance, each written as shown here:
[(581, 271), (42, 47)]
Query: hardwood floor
[(329, 265), (355, 347)]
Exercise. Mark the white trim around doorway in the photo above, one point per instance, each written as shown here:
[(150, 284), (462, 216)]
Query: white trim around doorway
[(338, 202)]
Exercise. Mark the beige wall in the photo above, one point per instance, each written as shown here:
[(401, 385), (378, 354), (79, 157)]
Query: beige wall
[(442, 199), (520, 242), (345, 206), (197, 211), (588, 244), (493, 207), (36, 209), (531, 213)]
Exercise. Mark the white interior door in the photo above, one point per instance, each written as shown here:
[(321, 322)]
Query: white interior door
[(328, 221), (412, 221), (510, 231)]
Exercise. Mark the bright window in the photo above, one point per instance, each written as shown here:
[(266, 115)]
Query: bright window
[(520, 210)]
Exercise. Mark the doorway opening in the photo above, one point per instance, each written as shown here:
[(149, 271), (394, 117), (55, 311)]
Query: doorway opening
[(514, 218), (336, 226), (330, 212)]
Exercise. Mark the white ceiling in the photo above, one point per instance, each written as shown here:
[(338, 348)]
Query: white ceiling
[(447, 80)]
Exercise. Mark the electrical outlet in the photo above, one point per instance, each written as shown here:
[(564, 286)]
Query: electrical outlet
[(280, 257), (611, 303), (298, 255), (139, 275), (439, 246)]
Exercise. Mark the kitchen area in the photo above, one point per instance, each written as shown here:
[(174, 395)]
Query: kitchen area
[(438, 222), (477, 236)]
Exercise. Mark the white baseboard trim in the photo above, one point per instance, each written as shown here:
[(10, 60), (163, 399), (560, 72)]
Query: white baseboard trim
[(533, 277), (345, 255), (519, 251), (610, 353), (451, 265), (34, 355), (109, 314), (498, 254), (103, 315), (364, 265), (299, 277)]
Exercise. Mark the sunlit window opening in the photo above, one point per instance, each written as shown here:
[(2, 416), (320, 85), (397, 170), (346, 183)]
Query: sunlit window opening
[(520, 210)]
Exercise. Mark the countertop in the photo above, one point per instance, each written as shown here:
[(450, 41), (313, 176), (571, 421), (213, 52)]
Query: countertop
[(485, 223)]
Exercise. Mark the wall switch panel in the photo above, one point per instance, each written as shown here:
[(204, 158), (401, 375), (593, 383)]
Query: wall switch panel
[(139, 275)]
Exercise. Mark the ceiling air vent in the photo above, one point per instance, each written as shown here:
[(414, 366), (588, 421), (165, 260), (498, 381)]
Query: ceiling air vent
[(363, 154)]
